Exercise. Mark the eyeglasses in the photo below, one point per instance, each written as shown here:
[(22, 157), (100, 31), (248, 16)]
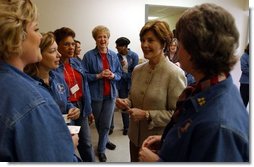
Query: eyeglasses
[(68, 44)]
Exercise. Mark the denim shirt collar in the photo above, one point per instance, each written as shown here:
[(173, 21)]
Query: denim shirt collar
[(199, 100), (96, 50), (41, 82), (74, 62)]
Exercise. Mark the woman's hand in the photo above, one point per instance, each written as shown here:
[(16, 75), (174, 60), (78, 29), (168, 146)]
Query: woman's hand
[(152, 142), (122, 104), (73, 113), (137, 114), (149, 149), (109, 74), (106, 74), (146, 155)]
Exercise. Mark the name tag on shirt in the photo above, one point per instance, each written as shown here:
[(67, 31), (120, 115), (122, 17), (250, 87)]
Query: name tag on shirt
[(74, 89)]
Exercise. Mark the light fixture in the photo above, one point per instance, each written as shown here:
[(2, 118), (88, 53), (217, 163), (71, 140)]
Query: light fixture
[(152, 17)]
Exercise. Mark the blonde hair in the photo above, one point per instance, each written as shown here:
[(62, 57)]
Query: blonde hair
[(47, 40), (99, 29), (174, 41), (14, 17)]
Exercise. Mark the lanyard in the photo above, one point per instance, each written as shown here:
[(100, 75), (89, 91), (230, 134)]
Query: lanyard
[(69, 79)]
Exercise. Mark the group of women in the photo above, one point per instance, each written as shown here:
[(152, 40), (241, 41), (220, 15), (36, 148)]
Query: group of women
[(207, 121)]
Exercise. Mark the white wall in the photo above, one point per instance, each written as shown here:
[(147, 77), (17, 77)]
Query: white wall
[(123, 18), (173, 20)]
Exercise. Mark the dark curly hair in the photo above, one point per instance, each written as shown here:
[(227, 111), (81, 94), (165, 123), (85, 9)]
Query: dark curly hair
[(62, 33)]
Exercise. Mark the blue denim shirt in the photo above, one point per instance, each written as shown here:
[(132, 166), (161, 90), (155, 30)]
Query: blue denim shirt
[(214, 127), (190, 78), (32, 128), (245, 69), (93, 65), (132, 59), (58, 89), (86, 98)]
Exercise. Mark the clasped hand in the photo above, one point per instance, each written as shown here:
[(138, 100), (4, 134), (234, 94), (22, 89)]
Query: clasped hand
[(135, 113), (106, 74), (149, 149)]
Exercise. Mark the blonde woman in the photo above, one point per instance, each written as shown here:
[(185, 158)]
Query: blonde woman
[(32, 128), (103, 70), (44, 73)]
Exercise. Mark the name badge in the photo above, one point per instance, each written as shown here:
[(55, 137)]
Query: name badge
[(74, 89), (74, 129), (66, 119)]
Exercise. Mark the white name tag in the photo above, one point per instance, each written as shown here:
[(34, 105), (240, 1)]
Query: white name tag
[(66, 119), (74, 129), (74, 89)]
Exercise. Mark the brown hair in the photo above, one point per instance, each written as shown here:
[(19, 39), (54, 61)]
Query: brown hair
[(160, 29), (47, 40), (209, 35)]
